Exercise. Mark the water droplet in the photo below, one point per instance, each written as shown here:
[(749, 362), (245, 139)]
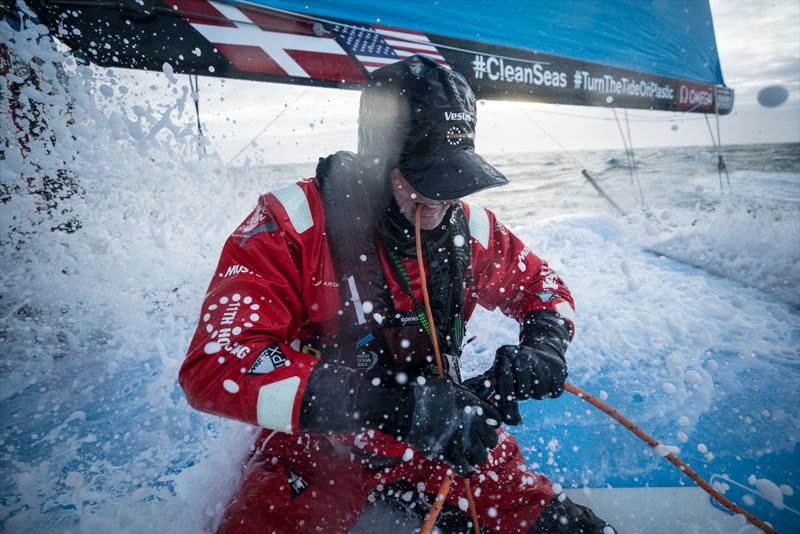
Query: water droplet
[(772, 96), (212, 347), (230, 386)]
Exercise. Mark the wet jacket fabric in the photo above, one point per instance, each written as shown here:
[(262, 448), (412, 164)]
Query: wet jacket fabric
[(275, 287), (275, 293)]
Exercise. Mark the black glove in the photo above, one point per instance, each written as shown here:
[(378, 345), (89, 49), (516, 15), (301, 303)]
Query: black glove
[(536, 368), (439, 418), (520, 373), (448, 422)]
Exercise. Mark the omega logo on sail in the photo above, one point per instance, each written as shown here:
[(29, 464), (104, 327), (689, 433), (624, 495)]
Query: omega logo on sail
[(694, 97)]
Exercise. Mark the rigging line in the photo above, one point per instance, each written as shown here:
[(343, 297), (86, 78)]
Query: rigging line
[(684, 112), (614, 206), (714, 144), (633, 159), (553, 139), (710, 132), (270, 123), (628, 158), (640, 119), (721, 162), (195, 88), (625, 144), (584, 168), (635, 118)]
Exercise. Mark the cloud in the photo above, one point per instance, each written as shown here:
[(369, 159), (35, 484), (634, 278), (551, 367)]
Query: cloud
[(759, 45)]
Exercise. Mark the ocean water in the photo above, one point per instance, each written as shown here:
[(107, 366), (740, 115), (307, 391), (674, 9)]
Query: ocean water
[(687, 311)]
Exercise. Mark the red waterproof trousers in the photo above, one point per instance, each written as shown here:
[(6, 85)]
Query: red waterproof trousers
[(312, 483)]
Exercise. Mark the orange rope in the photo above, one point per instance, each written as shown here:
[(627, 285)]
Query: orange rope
[(444, 489), (680, 464), (473, 511), (425, 298), (441, 495)]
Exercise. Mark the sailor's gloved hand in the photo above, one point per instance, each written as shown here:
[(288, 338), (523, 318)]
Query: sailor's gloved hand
[(520, 373), (447, 422), (437, 417), (536, 368)]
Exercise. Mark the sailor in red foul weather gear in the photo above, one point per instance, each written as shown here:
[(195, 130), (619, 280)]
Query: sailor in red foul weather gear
[(313, 329)]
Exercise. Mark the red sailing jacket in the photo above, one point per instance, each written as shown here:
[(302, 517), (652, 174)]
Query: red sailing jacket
[(275, 285)]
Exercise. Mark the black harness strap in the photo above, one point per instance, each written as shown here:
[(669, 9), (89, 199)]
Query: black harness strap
[(355, 196)]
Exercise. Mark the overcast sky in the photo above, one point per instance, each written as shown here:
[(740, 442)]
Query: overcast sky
[(759, 45)]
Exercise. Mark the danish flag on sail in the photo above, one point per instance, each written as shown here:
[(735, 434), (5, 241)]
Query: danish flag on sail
[(266, 42)]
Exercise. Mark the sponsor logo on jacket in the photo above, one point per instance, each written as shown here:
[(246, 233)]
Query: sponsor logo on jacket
[(297, 484), (235, 269), (270, 359)]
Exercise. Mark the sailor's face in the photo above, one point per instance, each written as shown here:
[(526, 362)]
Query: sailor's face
[(408, 198)]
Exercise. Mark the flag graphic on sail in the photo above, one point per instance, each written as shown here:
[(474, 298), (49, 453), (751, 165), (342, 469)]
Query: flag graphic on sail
[(262, 42), (378, 46)]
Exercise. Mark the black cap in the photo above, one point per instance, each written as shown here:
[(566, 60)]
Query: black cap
[(420, 117)]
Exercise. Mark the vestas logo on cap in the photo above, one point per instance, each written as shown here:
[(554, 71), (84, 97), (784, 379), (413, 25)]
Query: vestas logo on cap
[(460, 116)]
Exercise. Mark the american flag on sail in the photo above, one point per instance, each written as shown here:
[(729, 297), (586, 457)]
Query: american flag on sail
[(378, 46)]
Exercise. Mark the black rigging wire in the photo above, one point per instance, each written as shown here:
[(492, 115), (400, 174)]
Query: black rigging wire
[(633, 118), (270, 123), (721, 166), (630, 156), (585, 172), (194, 85), (633, 160)]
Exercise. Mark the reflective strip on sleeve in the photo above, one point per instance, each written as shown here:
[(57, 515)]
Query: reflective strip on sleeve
[(275, 404), (479, 225), (565, 310), (294, 202)]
